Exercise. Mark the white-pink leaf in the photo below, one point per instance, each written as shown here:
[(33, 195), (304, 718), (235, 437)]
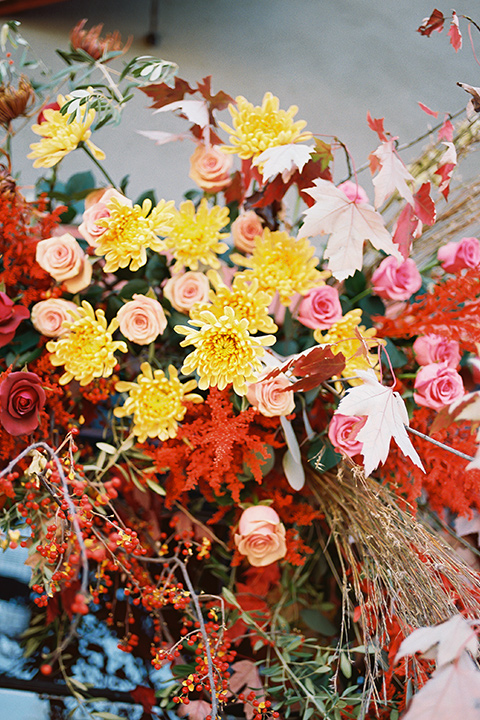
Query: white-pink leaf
[(195, 110), (283, 159), (386, 419), (468, 526), (160, 137), (245, 678), (393, 174), (443, 643), (349, 224)]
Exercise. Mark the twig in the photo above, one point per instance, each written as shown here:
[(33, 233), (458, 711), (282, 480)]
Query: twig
[(439, 444)]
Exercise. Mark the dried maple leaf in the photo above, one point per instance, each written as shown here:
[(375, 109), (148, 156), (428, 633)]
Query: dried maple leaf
[(392, 176), (434, 22), (162, 94), (444, 643), (194, 110), (473, 105), (428, 110), (376, 124), (454, 33), (314, 365)]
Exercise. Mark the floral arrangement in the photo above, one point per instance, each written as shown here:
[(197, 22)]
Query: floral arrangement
[(241, 432)]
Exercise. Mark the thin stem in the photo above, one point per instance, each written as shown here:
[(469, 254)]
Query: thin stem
[(439, 444), (100, 167), (109, 80), (466, 17)]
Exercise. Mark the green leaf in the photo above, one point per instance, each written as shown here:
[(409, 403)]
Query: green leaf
[(133, 287), (322, 455), (230, 597), (345, 665), (82, 182), (147, 195), (155, 487), (397, 357), (355, 284), (318, 622)]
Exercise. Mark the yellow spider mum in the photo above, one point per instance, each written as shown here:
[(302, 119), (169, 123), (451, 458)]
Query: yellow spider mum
[(129, 231), (280, 262), (194, 238), (257, 128), (86, 349), (225, 352), (244, 298), (156, 402), (344, 333), (59, 137)]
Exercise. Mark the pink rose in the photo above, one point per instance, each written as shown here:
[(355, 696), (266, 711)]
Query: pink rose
[(210, 168), (270, 398), (97, 210), (10, 318), (21, 399), (63, 258), (320, 308), (396, 281), (142, 320), (245, 229), (49, 315), (437, 385), (458, 255), (261, 536), (186, 289), (433, 348), (342, 433), (354, 192)]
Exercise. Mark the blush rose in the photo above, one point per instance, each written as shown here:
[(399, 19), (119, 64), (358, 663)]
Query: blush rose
[(320, 308), (186, 289), (21, 399), (142, 320), (63, 258), (437, 385), (97, 210), (261, 536), (342, 433), (49, 315), (433, 348), (455, 256), (396, 281), (270, 398), (245, 229), (11, 316), (210, 168)]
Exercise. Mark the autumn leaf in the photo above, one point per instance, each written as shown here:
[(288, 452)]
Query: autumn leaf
[(454, 33), (407, 227), (245, 679), (376, 124), (444, 643), (445, 170), (446, 131), (386, 419), (162, 94), (392, 176), (145, 696), (428, 110), (434, 22), (160, 137), (473, 105), (219, 101), (349, 224), (314, 365), (423, 206), (194, 110), (196, 710), (283, 160)]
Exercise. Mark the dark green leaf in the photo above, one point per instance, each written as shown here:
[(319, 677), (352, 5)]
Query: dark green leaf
[(318, 622)]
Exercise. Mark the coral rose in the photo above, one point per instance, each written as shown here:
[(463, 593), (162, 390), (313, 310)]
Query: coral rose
[(142, 320), (261, 536), (455, 256), (21, 399), (245, 229), (210, 168), (186, 289), (355, 193), (96, 210), (49, 315), (433, 348), (11, 316), (270, 398), (437, 385), (320, 308), (396, 281), (63, 258), (342, 433)]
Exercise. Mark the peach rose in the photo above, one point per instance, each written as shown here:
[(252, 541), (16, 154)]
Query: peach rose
[(320, 308), (186, 289), (437, 385), (63, 258), (142, 320), (396, 281), (355, 193), (261, 536), (48, 316), (245, 229), (342, 433), (210, 168), (96, 210), (433, 348), (270, 398), (458, 255)]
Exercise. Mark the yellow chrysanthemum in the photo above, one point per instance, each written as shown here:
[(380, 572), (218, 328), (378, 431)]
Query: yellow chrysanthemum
[(194, 237), (129, 231), (86, 349), (282, 263), (156, 402), (244, 298), (59, 137), (257, 128), (225, 352), (344, 334)]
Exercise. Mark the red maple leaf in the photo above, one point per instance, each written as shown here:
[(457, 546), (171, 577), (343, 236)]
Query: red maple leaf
[(219, 101), (162, 94), (376, 124), (145, 696), (434, 22), (424, 206), (318, 365)]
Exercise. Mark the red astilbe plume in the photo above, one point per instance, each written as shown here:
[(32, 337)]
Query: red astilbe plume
[(451, 310)]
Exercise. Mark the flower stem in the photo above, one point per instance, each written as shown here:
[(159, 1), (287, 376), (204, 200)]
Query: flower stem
[(439, 444), (100, 167)]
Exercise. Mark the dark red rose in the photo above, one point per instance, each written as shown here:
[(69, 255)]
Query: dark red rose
[(21, 399), (10, 318)]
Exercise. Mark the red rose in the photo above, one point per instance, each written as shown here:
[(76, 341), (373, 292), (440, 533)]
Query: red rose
[(21, 399), (10, 318)]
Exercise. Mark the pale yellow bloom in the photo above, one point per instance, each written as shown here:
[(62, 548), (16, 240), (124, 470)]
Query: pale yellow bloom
[(129, 231), (225, 352), (59, 137), (194, 238), (86, 348), (257, 128), (282, 263), (156, 402)]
